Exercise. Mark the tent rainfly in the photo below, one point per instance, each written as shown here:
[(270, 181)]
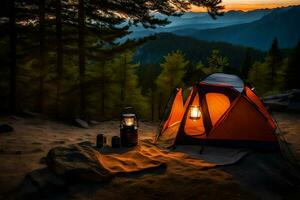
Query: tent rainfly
[(220, 110)]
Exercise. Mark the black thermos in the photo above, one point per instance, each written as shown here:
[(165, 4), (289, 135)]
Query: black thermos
[(115, 142), (99, 143)]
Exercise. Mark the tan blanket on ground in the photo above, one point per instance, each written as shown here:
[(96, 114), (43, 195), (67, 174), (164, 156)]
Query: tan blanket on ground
[(82, 161)]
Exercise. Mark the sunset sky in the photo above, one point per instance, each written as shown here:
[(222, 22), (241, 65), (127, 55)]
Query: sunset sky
[(254, 4)]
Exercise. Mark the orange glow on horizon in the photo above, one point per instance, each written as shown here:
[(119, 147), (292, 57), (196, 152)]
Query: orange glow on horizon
[(244, 7)]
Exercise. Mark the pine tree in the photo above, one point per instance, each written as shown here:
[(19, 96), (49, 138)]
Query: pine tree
[(101, 78), (126, 83), (173, 69), (216, 63), (51, 57), (108, 15), (81, 57), (274, 59), (194, 73), (268, 76), (42, 50), (246, 64), (257, 77), (293, 69), (271, 71), (13, 56), (151, 74), (59, 56)]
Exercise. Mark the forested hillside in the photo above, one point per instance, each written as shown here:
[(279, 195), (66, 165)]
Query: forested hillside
[(61, 59), (153, 51)]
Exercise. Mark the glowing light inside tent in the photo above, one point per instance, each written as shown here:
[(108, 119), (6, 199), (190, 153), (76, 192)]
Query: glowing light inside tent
[(195, 112)]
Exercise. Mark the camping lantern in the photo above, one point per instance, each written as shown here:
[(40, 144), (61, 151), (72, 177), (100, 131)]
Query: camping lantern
[(128, 128), (195, 112)]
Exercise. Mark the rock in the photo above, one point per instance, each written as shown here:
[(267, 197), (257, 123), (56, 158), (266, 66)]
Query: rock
[(93, 122), (18, 152), (85, 143), (43, 160), (36, 143), (27, 190), (5, 128), (40, 183), (14, 117), (289, 101), (77, 162), (28, 113), (44, 177), (59, 142), (81, 123), (276, 104)]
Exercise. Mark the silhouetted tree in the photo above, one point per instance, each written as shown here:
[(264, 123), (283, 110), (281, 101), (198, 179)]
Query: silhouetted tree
[(246, 64), (41, 17), (104, 16), (126, 82), (61, 42), (216, 63), (268, 76), (81, 57), (193, 73), (258, 77), (293, 69), (59, 55), (173, 69), (151, 76), (274, 57), (13, 56)]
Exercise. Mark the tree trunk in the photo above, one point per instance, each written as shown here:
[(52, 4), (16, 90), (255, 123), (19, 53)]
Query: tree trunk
[(103, 90), (272, 74), (42, 55), (123, 83), (13, 57), (81, 47), (171, 84), (59, 58), (152, 104), (160, 106)]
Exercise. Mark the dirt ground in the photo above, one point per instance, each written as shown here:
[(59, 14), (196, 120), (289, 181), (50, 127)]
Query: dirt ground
[(289, 125), (22, 151)]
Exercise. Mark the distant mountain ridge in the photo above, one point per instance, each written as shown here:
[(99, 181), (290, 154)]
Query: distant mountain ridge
[(200, 21), (282, 23)]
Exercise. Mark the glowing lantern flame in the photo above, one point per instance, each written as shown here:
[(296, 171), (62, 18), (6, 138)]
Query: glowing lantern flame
[(129, 121), (195, 112)]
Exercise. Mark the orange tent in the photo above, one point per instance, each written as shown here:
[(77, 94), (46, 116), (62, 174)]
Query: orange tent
[(219, 110)]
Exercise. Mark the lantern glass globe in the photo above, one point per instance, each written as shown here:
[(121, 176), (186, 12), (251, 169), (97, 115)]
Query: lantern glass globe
[(128, 119), (195, 112)]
